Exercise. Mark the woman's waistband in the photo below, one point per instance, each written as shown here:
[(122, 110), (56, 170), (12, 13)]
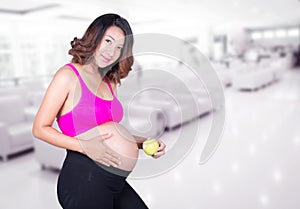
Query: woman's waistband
[(82, 158)]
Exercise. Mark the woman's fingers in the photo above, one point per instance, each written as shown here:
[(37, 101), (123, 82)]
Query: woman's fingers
[(161, 149), (113, 159), (109, 158), (111, 162), (97, 150), (103, 162), (162, 145), (107, 161), (158, 154)]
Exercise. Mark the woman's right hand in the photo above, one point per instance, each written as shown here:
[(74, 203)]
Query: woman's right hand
[(98, 151)]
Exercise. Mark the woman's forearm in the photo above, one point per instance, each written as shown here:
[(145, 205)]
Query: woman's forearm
[(54, 137), (139, 141)]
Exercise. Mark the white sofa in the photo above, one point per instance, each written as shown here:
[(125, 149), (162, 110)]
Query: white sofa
[(279, 66), (252, 80), (32, 92), (175, 92), (15, 127), (224, 73), (18, 107), (144, 121), (47, 155), (179, 110), (252, 76)]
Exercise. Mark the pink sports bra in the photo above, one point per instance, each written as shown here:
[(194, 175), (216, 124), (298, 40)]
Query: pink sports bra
[(90, 111)]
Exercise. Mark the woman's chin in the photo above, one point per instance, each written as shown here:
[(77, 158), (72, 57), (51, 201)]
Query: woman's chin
[(103, 64)]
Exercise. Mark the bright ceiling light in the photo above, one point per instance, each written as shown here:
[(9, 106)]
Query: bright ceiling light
[(280, 33), (293, 32), (256, 35), (268, 34)]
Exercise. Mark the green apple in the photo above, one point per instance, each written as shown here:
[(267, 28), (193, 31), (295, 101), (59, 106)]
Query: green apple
[(150, 146)]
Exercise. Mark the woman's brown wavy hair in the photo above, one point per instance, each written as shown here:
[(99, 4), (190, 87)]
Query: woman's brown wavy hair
[(83, 49)]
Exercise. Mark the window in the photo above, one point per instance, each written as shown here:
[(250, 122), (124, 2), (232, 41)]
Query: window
[(280, 33), (256, 35), (293, 32), (268, 34)]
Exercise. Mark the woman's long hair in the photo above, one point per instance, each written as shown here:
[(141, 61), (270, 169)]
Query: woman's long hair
[(83, 49)]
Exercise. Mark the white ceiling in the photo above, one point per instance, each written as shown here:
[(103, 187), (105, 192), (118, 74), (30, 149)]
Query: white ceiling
[(218, 13)]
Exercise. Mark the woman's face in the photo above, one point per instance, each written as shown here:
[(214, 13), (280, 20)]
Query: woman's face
[(110, 47)]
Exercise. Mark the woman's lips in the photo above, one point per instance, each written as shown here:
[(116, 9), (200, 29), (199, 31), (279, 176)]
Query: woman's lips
[(105, 59)]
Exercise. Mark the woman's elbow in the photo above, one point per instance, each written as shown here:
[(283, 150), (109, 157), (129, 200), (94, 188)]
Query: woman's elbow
[(36, 131)]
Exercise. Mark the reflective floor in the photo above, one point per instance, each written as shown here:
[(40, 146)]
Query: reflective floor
[(255, 166)]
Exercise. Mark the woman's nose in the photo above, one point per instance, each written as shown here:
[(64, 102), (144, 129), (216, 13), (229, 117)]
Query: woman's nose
[(111, 50)]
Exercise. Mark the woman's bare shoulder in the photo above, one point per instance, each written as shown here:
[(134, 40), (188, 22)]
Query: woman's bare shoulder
[(65, 74)]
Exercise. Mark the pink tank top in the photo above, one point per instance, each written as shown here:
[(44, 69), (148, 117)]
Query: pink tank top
[(90, 111)]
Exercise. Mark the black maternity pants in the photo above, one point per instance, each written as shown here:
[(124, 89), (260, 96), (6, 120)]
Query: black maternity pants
[(82, 184)]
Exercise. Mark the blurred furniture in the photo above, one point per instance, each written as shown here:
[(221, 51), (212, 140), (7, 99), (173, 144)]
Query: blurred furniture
[(15, 128), (173, 101), (47, 155), (252, 80), (176, 111), (18, 106), (144, 120), (279, 66), (224, 73), (252, 76), (32, 93)]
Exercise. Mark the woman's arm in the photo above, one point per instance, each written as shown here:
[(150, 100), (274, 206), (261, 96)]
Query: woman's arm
[(139, 140), (53, 100)]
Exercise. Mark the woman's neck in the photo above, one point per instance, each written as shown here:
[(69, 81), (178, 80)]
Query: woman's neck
[(95, 70)]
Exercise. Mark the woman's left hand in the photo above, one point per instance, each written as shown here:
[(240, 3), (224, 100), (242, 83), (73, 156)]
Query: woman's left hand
[(161, 149)]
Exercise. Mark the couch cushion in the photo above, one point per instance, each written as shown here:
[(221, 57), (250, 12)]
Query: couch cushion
[(11, 109), (9, 91), (20, 134), (35, 98)]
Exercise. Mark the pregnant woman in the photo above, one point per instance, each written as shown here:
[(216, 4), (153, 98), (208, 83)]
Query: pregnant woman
[(82, 96)]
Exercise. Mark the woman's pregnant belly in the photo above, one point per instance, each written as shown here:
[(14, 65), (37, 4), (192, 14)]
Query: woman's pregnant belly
[(121, 142)]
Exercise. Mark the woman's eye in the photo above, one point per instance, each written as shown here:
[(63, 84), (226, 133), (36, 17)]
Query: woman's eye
[(108, 41), (120, 47)]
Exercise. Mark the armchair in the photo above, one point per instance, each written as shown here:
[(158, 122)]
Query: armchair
[(15, 129)]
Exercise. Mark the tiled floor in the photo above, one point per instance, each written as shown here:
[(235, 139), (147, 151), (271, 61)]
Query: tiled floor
[(255, 166)]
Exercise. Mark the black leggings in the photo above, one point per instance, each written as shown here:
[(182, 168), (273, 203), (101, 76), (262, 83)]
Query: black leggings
[(82, 184)]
